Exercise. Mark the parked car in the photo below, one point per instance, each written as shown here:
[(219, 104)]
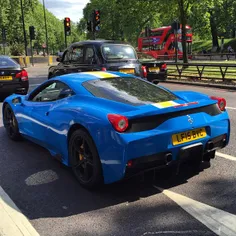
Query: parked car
[(156, 70), (13, 78), (99, 55), (108, 125)]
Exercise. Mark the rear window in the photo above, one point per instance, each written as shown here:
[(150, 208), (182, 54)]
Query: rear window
[(7, 62), (128, 90), (118, 52)]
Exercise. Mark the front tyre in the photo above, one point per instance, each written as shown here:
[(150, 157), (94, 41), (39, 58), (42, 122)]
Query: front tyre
[(50, 75), (155, 81), (10, 123), (84, 160)]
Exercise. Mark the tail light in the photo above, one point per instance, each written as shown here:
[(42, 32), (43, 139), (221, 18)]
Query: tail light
[(120, 123), (220, 101), (163, 66), (130, 163), (144, 69), (104, 69), (23, 75)]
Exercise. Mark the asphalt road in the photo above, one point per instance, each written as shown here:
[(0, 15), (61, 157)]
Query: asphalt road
[(48, 194)]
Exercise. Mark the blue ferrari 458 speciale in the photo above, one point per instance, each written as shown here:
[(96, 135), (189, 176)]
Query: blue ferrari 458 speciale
[(108, 125)]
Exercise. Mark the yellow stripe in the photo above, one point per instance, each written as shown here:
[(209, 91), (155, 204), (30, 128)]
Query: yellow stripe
[(165, 104), (101, 74)]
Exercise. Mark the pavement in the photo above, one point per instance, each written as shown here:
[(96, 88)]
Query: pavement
[(39, 196)]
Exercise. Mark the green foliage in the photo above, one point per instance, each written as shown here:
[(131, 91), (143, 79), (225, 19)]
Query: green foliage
[(10, 17), (207, 45), (122, 19)]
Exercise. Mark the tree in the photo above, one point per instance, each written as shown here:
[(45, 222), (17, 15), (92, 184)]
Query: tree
[(10, 17)]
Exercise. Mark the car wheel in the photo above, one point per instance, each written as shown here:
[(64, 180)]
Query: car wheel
[(155, 81), (84, 160), (10, 123), (50, 75)]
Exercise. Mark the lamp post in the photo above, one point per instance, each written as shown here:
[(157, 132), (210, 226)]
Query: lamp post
[(23, 24), (46, 29)]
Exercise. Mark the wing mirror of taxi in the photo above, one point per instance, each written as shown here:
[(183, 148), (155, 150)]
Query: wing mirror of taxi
[(58, 59)]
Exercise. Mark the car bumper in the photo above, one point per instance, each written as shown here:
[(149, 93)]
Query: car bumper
[(154, 148), (7, 89), (158, 77), (193, 152)]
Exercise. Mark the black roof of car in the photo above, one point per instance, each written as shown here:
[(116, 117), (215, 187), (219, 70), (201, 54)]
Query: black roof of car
[(97, 42)]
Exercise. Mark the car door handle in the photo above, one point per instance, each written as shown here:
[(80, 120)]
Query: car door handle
[(47, 113)]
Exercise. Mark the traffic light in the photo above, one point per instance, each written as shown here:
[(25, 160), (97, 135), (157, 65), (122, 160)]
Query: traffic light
[(96, 20), (175, 25), (67, 27), (89, 26), (32, 32)]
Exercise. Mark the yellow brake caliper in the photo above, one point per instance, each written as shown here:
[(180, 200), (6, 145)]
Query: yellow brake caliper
[(81, 157)]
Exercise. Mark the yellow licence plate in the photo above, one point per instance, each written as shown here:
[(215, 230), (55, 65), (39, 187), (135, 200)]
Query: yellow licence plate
[(128, 71), (188, 136), (154, 69), (5, 77)]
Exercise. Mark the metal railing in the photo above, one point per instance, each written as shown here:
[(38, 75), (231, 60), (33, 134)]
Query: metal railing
[(199, 71)]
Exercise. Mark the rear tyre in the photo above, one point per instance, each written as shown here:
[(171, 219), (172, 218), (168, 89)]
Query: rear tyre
[(10, 123), (155, 81), (84, 160)]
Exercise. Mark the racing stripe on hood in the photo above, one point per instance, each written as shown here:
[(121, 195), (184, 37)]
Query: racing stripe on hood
[(101, 74)]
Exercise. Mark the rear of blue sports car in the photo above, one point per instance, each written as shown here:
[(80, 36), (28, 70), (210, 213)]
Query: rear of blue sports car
[(151, 127)]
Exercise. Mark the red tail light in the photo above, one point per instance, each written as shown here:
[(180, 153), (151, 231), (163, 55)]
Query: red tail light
[(221, 102), (120, 123), (163, 66), (23, 75), (144, 69), (104, 69), (130, 163)]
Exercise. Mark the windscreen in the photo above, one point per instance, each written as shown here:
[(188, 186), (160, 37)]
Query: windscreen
[(7, 62), (144, 56), (128, 90), (118, 52)]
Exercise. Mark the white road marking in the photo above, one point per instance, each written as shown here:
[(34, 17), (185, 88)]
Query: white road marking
[(226, 156), (219, 221), (13, 222), (188, 232), (231, 108)]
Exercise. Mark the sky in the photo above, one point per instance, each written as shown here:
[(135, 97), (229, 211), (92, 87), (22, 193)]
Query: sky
[(66, 8)]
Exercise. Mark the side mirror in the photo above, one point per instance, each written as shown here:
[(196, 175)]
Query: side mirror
[(17, 100), (58, 59)]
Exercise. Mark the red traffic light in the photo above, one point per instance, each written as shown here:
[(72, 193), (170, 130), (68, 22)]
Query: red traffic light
[(67, 19)]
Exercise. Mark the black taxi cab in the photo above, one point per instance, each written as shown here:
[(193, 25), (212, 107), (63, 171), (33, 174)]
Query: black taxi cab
[(99, 55)]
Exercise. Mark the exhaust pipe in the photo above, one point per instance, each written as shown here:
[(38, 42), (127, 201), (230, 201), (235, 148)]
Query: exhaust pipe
[(168, 157), (210, 145)]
